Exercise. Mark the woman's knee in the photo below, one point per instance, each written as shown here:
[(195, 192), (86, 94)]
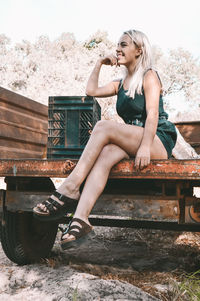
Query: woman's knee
[(107, 151), (102, 126), (112, 152)]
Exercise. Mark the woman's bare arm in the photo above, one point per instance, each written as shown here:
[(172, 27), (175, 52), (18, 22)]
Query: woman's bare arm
[(93, 88), (152, 89)]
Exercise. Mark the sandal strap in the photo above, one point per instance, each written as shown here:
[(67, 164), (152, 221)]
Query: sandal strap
[(54, 203), (55, 208), (75, 227), (49, 206), (83, 230), (63, 198), (69, 228), (76, 234), (82, 223), (66, 230)]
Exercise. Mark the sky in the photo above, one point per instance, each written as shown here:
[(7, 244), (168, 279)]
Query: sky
[(167, 23)]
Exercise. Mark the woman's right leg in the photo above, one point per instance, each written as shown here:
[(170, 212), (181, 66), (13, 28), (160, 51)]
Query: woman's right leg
[(70, 187), (95, 183), (127, 137)]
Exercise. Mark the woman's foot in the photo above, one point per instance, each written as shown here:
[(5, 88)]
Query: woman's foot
[(65, 189), (55, 206), (77, 231)]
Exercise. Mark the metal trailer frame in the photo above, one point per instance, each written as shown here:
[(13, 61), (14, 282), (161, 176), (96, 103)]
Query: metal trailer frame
[(161, 196)]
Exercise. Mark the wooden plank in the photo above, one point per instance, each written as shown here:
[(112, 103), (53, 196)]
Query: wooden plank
[(157, 169), (18, 119), (18, 100), (20, 149), (22, 134), (23, 126), (19, 146), (21, 153), (190, 131)]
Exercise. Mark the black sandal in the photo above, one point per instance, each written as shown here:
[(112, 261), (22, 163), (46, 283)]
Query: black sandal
[(84, 232), (55, 209)]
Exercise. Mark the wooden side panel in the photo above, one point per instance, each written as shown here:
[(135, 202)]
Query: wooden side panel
[(190, 130), (23, 127)]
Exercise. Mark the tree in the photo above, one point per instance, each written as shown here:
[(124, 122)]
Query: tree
[(62, 67)]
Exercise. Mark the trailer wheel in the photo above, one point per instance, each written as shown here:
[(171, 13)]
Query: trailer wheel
[(25, 239)]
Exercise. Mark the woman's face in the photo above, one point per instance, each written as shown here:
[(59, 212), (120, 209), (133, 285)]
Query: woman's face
[(127, 51)]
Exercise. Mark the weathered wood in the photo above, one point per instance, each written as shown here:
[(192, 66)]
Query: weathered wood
[(190, 131), (157, 169), (25, 103), (26, 135), (18, 150), (26, 119), (23, 126), (183, 150)]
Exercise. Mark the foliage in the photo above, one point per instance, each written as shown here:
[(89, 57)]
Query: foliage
[(98, 38), (183, 73), (62, 67), (190, 286)]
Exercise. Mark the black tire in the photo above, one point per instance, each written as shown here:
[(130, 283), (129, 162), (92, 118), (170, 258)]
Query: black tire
[(26, 240)]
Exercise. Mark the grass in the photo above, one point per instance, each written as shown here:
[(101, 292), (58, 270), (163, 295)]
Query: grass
[(75, 294), (190, 286)]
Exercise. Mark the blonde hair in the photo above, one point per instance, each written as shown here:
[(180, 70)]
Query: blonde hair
[(144, 61)]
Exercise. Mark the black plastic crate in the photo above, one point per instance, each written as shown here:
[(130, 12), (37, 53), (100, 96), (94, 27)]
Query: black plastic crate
[(70, 121)]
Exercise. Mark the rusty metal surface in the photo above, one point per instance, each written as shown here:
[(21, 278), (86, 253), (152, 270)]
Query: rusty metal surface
[(23, 126), (157, 169), (138, 207), (181, 204), (192, 215), (190, 131)]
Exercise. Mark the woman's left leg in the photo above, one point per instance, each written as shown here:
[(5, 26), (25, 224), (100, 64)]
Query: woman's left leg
[(96, 181), (126, 137)]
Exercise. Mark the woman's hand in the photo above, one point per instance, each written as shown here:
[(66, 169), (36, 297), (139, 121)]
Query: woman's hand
[(109, 60), (142, 158)]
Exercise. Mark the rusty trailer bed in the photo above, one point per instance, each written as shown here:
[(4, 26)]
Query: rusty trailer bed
[(157, 169), (161, 196), (163, 191)]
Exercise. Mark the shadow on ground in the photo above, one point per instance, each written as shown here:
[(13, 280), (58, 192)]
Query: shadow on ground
[(153, 250), (153, 260)]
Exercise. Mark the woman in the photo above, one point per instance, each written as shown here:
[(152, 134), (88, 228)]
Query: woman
[(146, 134)]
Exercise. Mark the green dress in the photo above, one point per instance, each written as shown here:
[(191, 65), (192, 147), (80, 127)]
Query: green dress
[(133, 111)]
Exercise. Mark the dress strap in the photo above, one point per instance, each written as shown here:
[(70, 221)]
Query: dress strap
[(156, 73), (120, 83)]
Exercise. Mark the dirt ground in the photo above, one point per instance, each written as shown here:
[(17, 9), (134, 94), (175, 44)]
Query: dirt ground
[(152, 260)]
